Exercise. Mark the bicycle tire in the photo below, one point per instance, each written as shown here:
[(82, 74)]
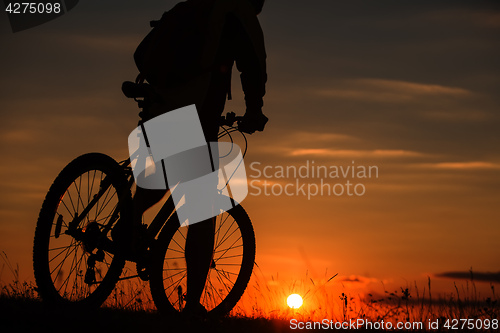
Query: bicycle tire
[(218, 305), (71, 191)]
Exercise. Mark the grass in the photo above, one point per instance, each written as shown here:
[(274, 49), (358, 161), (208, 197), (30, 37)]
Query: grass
[(410, 304), (262, 309)]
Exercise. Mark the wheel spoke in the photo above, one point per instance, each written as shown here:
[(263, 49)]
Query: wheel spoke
[(226, 236), (229, 248), (221, 223), (72, 214), (68, 253), (175, 241), (178, 283), (73, 267), (181, 252), (71, 201), (172, 275), (228, 257), (106, 202), (224, 284), (78, 192)]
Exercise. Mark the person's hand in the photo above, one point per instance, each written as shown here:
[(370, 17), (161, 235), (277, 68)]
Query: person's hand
[(252, 121), (140, 78)]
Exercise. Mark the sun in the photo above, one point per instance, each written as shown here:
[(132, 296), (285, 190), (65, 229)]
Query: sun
[(294, 301)]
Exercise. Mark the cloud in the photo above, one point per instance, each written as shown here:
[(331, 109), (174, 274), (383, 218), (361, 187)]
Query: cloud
[(454, 115), (20, 135), (284, 139), (103, 43), (479, 17), (468, 275), (472, 165), (359, 280), (320, 137), (377, 153), (395, 91)]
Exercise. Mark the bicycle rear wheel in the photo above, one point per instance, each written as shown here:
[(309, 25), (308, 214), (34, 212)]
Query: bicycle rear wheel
[(73, 258), (231, 269)]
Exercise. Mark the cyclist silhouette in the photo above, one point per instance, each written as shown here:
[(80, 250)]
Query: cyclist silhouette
[(233, 36)]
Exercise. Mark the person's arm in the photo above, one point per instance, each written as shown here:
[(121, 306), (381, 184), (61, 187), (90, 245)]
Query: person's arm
[(250, 58), (251, 63)]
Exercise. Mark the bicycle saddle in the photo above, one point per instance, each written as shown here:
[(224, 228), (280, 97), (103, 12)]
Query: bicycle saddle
[(136, 90)]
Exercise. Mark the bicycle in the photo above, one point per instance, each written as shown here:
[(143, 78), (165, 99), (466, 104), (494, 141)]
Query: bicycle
[(77, 262)]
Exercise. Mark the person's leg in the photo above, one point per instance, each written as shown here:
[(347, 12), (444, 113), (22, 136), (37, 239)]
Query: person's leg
[(200, 240), (199, 252), (200, 237)]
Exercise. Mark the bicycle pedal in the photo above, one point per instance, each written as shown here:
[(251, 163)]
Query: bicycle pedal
[(90, 276), (99, 256)]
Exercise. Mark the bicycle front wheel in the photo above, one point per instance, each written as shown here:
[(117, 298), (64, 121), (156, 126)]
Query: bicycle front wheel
[(231, 269), (73, 260)]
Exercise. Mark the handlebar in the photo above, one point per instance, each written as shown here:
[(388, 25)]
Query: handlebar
[(230, 119)]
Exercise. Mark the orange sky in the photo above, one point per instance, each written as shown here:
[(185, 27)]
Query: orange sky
[(409, 88)]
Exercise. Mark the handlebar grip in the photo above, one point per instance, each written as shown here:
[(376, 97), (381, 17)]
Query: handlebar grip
[(229, 119)]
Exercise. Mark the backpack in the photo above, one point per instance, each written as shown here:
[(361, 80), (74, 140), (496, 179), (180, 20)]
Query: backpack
[(170, 53)]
